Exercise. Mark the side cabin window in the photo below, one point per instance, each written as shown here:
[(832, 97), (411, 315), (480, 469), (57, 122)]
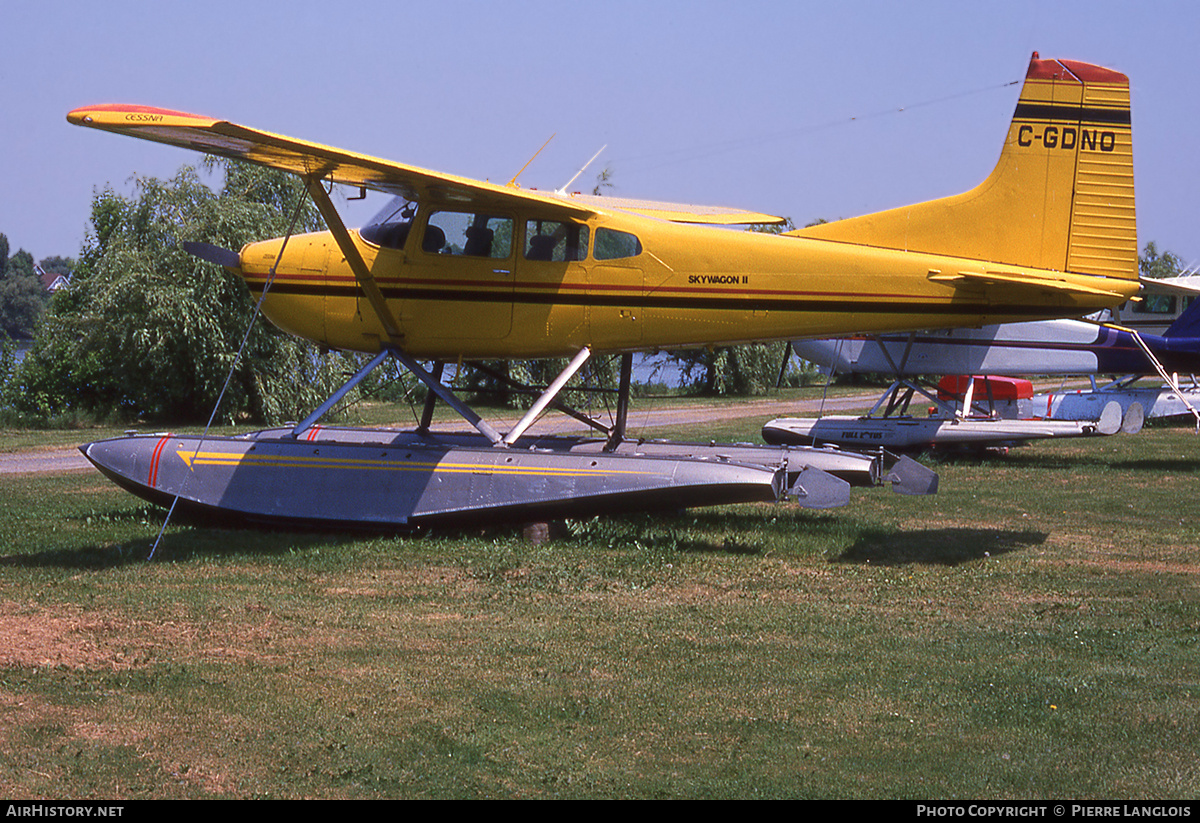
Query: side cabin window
[(555, 241), (466, 234), (613, 245)]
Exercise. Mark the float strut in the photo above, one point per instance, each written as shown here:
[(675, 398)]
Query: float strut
[(547, 396), (339, 394), (430, 400), (617, 435), (448, 397)]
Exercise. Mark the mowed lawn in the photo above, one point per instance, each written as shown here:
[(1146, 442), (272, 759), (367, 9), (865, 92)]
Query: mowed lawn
[(1030, 632)]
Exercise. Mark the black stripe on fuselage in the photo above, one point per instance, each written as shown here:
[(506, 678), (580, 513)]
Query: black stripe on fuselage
[(712, 303)]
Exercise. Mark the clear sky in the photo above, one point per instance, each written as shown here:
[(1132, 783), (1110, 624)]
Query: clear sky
[(808, 110)]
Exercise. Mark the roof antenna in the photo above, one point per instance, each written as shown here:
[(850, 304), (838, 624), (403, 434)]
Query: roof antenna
[(563, 190), (513, 182)]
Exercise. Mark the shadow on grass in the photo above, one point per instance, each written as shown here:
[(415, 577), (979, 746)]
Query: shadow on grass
[(711, 531), (1159, 465), (199, 535), (940, 547), (198, 539), (1085, 460)]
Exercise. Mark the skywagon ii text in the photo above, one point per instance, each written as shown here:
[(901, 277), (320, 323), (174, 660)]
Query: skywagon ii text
[(724, 279)]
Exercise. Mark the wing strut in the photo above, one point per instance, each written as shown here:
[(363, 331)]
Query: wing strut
[(354, 258)]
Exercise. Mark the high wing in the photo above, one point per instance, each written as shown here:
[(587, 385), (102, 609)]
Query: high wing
[(1187, 285), (318, 162), (674, 212)]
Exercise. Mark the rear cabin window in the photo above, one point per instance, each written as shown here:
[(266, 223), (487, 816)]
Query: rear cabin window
[(468, 235), (613, 245), (555, 241)]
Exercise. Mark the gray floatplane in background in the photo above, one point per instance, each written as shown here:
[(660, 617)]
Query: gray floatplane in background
[(1088, 347), (969, 409), (965, 412)]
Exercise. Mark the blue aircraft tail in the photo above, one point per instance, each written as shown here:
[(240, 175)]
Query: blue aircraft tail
[(1187, 324)]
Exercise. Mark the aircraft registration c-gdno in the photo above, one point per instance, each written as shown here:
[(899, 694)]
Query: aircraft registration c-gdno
[(462, 270)]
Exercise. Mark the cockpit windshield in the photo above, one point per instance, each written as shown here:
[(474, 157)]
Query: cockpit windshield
[(389, 227)]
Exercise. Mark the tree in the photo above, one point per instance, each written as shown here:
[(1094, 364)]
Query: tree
[(147, 331), (1153, 265), (57, 265), (22, 297), (1158, 266), (603, 181), (748, 369)]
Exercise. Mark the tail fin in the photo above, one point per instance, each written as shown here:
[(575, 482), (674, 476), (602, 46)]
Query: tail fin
[(1186, 324), (1060, 198)]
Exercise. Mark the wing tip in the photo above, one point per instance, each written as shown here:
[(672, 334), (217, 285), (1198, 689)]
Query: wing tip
[(130, 115)]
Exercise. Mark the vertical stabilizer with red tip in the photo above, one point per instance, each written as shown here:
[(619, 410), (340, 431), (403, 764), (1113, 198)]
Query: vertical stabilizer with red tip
[(1060, 198)]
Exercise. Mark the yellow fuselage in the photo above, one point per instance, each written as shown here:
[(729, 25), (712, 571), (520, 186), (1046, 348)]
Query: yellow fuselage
[(687, 286)]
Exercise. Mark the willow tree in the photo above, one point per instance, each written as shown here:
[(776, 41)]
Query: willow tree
[(148, 331)]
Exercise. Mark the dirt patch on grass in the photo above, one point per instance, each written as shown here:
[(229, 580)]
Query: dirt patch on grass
[(1104, 553), (31, 637), (22, 711)]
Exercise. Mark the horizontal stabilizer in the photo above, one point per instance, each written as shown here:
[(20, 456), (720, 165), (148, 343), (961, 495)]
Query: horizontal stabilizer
[(1025, 281)]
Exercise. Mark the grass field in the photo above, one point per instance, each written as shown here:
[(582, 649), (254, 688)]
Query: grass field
[(1030, 632)]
